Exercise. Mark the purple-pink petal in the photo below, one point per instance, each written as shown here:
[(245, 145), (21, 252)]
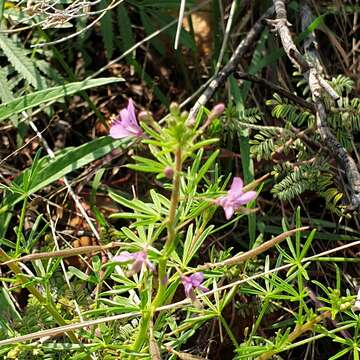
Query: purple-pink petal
[(125, 118), (229, 211), (131, 112), (165, 279), (236, 186), (203, 288), (234, 198), (138, 259), (196, 279), (125, 256), (246, 197), (137, 265), (191, 294), (191, 283), (150, 265), (118, 131), (187, 287), (125, 125)]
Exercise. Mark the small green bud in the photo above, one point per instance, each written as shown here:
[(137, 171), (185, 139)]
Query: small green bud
[(145, 116), (184, 115), (174, 108)]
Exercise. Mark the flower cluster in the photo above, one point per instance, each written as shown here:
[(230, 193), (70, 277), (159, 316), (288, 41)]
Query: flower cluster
[(126, 125), (138, 259), (193, 282), (235, 198)]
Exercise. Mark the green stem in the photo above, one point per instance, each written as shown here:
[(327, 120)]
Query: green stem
[(171, 236), (168, 247), (171, 230), (258, 320), (229, 332), (20, 228), (142, 335)]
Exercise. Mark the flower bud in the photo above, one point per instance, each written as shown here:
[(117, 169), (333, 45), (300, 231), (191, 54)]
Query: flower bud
[(217, 110), (145, 116), (174, 108), (169, 172), (184, 115)]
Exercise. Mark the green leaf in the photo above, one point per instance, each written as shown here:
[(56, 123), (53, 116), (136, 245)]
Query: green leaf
[(78, 273), (69, 160), (193, 243), (149, 28), (36, 98), (107, 30), (17, 56), (5, 93), (124, 23)]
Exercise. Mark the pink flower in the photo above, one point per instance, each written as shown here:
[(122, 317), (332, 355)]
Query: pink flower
[(235, 198), (125, 124), (138, 259), (193, 282)]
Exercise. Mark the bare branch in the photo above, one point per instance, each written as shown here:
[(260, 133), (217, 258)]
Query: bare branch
[(278, 89), (65, 253), (230, 67)]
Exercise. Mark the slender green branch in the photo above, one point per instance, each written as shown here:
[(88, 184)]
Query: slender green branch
[(143, 329), (21, 225), (168, 247), (171, 226)]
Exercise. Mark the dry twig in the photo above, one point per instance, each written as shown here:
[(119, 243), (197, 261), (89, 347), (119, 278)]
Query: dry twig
[(312, 72)]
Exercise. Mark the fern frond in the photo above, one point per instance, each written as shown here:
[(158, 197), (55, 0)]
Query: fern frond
[(234, 124), (17, 56), (342, 83), (264, 143), (347, 114), (250, 115), (293, 185), (306, 177), (282, 109), (5, 93)]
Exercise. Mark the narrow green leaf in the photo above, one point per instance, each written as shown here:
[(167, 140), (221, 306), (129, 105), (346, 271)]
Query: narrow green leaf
[(2, 5), (5, 93), (52, 170), (36, 98), (107, 30), (78, 273)]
